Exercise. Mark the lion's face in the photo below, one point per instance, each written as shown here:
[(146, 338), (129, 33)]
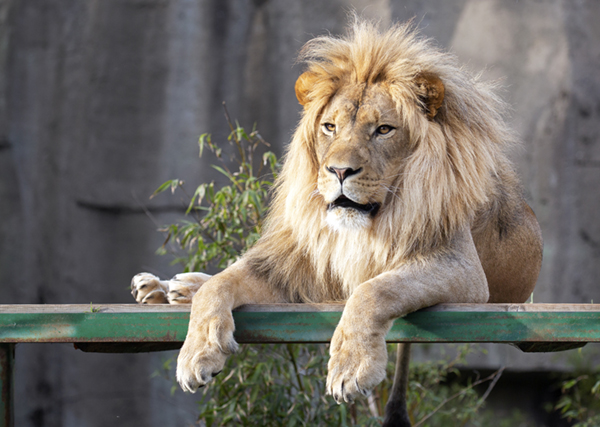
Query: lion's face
[(361, 143)]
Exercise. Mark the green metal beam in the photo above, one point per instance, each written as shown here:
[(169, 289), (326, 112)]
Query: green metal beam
[(297, 323), (132, 328)]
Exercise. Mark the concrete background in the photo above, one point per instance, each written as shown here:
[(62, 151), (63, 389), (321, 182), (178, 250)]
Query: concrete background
[(103, 100)]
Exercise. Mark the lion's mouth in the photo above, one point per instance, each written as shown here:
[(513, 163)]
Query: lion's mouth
[(345, 202)]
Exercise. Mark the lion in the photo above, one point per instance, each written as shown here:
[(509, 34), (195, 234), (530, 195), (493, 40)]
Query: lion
[(396, 194)]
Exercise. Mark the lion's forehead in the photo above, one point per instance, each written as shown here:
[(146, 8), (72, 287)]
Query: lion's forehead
[(363, 105)]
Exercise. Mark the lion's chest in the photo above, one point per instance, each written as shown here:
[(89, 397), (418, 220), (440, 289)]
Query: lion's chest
[(351, 257)]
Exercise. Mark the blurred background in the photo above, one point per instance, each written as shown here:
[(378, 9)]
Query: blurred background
[(101, 101)]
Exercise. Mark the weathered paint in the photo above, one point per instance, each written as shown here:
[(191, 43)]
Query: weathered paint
[(93, 327), (7, 358)]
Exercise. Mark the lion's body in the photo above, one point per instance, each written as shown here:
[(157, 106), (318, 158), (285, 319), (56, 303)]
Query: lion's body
[(396, 194), (449, 172)]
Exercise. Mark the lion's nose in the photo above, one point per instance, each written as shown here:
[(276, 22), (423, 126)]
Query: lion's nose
[(343, 173)]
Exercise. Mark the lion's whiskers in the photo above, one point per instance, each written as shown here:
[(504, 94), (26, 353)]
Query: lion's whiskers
[(392, 191)]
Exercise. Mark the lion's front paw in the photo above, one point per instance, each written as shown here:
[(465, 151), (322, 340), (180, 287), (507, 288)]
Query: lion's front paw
[(206, 347), (146, 288), (357, 364)]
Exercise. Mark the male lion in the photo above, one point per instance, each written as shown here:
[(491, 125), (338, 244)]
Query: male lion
[(395, 194)]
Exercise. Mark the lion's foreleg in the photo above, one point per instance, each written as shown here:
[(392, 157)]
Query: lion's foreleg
[(358, 351), (209, 338)]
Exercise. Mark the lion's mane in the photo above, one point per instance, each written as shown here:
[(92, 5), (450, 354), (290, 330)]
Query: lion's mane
[(455, 168)]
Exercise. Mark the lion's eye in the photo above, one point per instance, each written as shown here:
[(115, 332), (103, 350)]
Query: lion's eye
[(329, 127), (384, 129)]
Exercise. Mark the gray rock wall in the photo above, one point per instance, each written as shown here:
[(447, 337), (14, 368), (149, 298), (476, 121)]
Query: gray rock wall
[(103, 100)]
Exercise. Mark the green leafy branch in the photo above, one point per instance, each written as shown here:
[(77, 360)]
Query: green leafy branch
[(226, 220)]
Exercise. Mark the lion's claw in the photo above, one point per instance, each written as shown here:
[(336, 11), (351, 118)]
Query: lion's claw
[(201, 370), (205, 350), (356, 366)]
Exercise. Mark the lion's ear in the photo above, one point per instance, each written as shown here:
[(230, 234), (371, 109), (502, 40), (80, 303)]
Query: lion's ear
[(304, 85), (431, 90)]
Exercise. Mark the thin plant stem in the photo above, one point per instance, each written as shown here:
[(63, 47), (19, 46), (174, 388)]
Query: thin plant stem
[(460, 393)]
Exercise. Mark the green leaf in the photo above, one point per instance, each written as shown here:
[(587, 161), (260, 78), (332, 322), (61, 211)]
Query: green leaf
[(199, 195), (205, 138), (568, 384), (223, 171), (172, 184)]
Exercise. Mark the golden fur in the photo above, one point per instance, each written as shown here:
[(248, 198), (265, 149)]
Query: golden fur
[(299, 251), (395, 194)]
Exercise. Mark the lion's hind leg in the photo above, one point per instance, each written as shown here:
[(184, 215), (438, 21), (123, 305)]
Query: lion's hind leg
[(147, 288), (182, 287)]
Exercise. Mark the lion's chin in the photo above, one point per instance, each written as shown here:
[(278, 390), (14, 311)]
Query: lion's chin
[(344, 219)]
